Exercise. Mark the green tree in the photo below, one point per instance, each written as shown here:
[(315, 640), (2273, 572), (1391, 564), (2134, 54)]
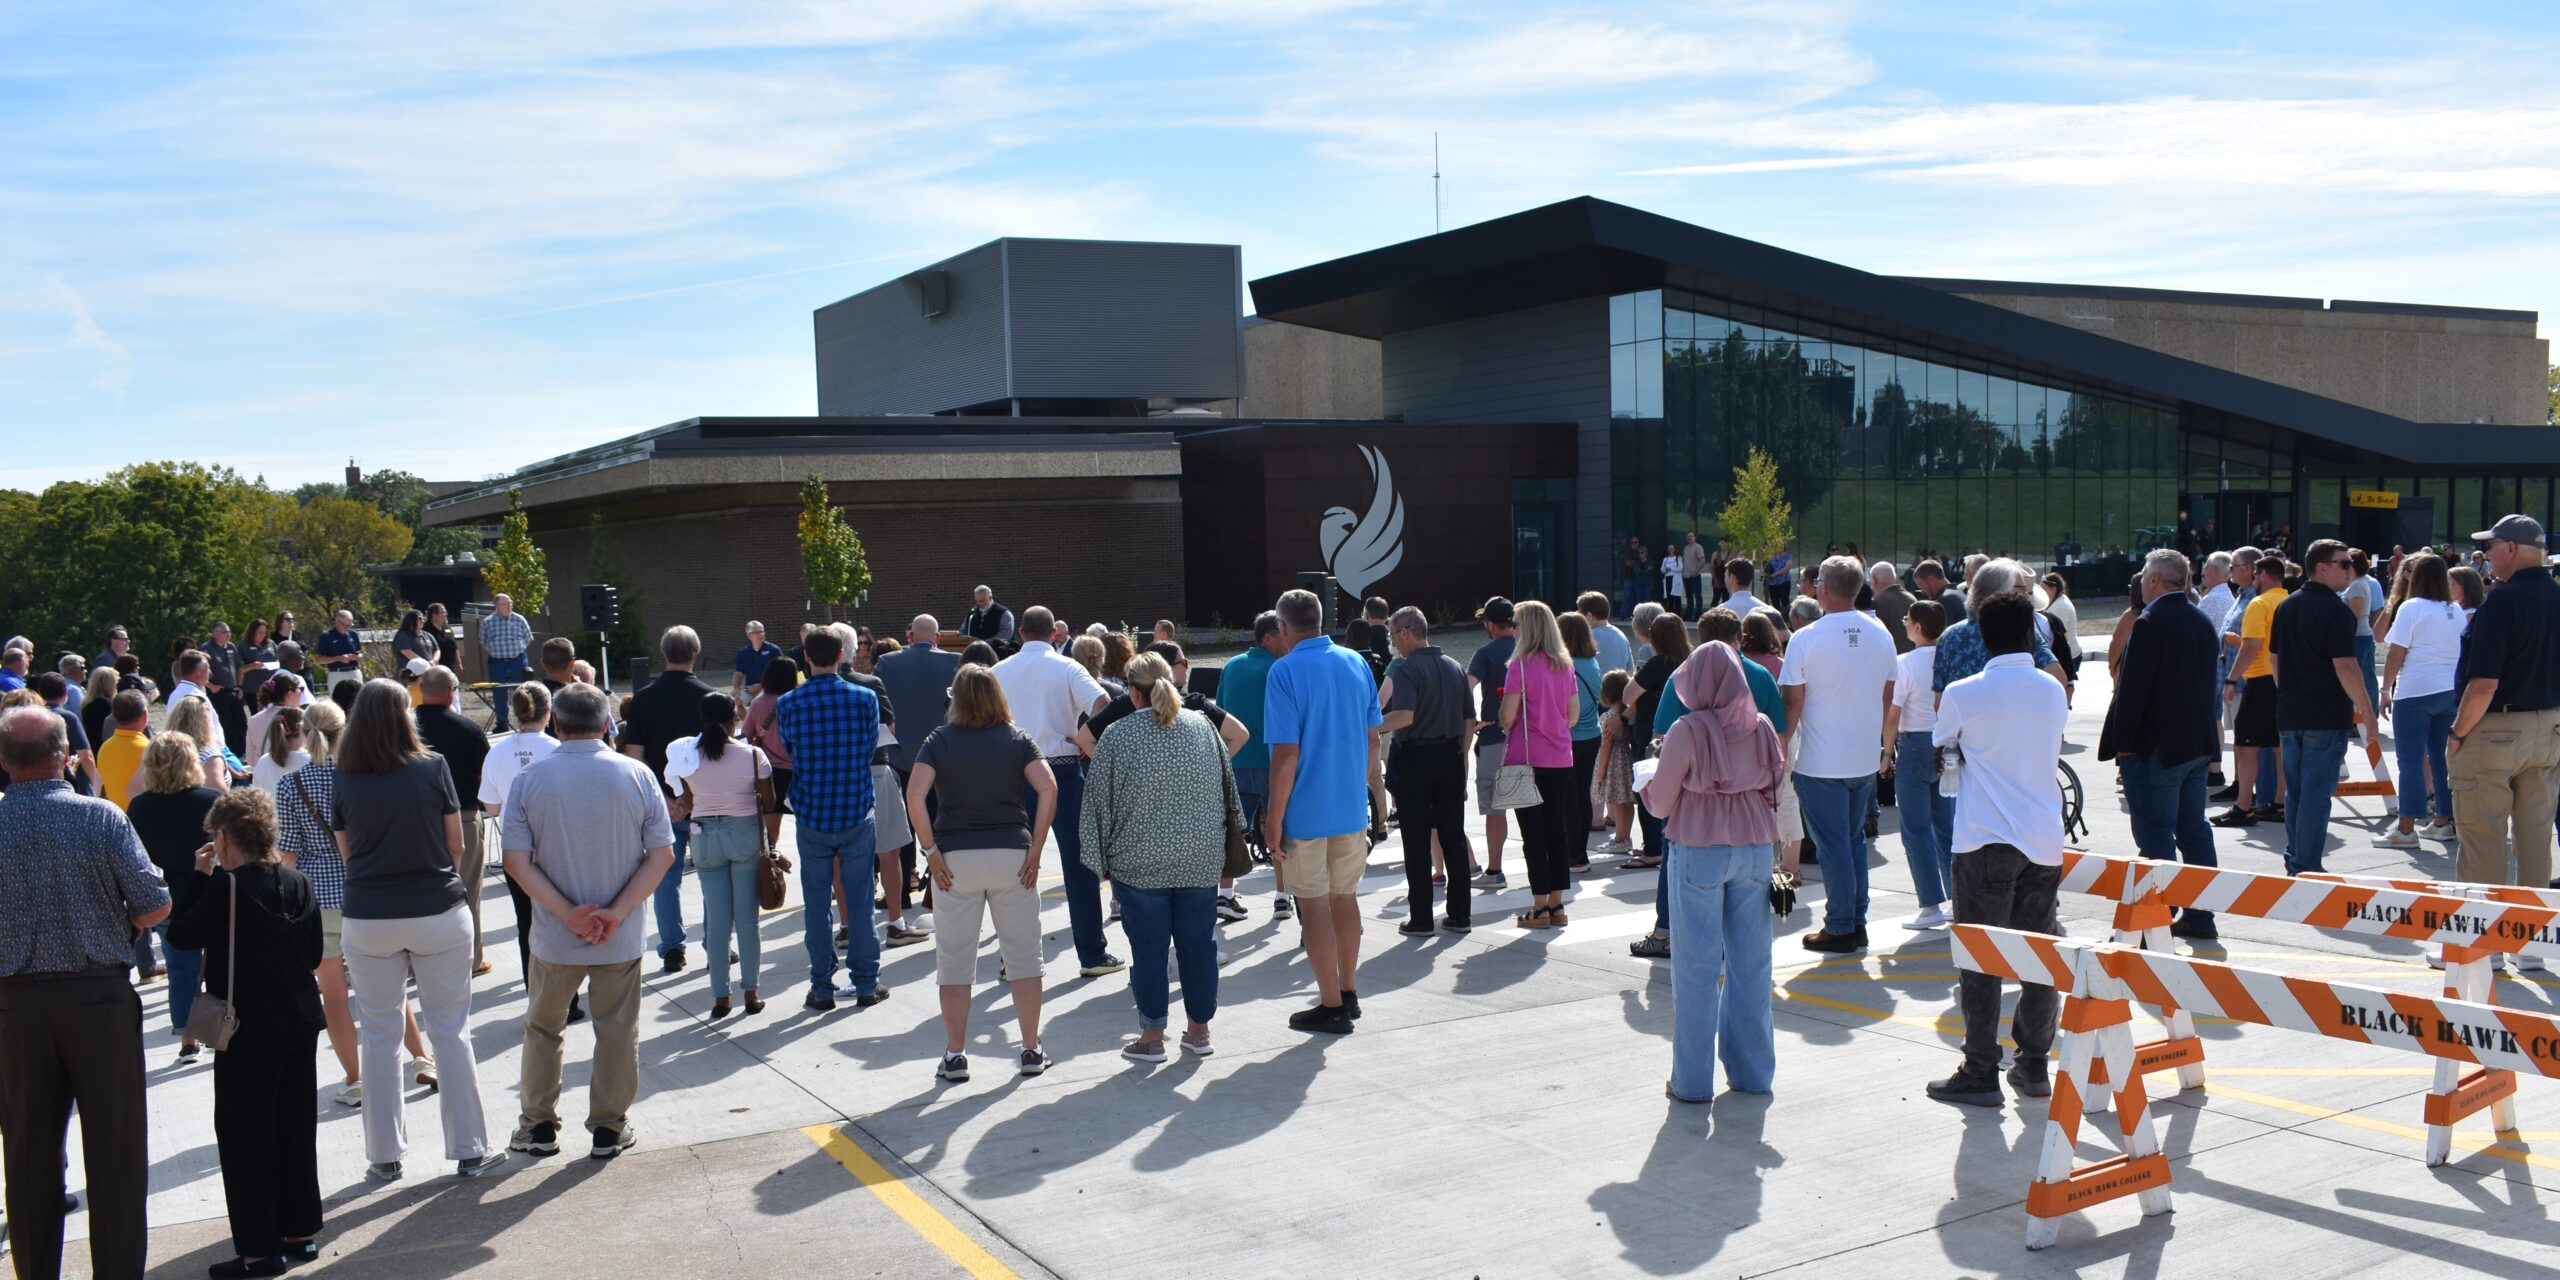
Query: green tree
[(334, 539), (831, 557), (2553, 417), (403, 497), (1757, 518), (516, 568), (160, 547), (604, 564)]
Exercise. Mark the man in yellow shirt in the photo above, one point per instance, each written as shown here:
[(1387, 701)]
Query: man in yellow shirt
[(2252, 684), (121, 755)]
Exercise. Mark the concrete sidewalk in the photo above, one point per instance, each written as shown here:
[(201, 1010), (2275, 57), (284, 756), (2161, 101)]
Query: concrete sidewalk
[(1499, 1112)]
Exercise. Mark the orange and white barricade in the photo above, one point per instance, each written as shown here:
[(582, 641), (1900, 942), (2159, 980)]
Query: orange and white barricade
[(2473, 923), (2102, 980)]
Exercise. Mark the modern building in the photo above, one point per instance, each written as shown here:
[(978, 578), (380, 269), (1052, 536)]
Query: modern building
[(1501, 408), (1909, 416)]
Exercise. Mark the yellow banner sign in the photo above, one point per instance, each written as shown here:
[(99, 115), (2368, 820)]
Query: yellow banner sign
[(2375, 499)]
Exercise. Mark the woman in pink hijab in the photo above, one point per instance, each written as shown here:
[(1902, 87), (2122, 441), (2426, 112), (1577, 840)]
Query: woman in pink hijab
[(1716, 791)]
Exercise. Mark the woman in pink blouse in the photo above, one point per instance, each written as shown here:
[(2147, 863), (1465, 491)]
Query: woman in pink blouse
[(1540, 702), (1716, 791)]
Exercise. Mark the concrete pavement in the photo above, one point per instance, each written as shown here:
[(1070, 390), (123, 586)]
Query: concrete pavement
[(1499, 1112)]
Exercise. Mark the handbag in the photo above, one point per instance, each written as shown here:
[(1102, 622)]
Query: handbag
[(1515, 786), (773, 875), (1782, 894), (1239, 863), (214, 1020)]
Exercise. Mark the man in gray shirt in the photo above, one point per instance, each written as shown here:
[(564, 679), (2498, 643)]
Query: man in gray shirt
[(587, 838), (1425, 699)]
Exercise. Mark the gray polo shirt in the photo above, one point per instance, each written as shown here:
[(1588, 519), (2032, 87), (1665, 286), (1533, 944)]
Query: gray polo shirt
[(589, 817), (1432, 686)]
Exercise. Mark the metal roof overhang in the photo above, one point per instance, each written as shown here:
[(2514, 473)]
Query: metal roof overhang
[(1586, 247)]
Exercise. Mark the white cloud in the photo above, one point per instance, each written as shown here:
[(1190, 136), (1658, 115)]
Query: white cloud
[(110, 364)]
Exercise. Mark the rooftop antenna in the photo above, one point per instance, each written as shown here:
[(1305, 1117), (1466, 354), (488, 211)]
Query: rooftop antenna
[(1436, 203)]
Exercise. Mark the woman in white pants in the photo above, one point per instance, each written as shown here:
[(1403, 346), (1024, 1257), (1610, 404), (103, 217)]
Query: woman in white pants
[(398, 824)]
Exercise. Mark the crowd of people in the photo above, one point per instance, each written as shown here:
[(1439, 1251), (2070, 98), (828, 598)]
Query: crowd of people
[(308, 847)]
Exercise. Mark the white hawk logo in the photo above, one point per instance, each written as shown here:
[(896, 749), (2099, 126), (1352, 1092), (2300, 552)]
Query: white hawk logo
[(1359, 552)]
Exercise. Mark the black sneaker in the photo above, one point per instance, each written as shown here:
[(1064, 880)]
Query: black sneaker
[(1417, 928), (819, 1002), (1351, 1004), (540, 1140), (1652, 946), (2224, 794), (954, 1068), (674, 957), (612, 1142), (1328, 1019), (2029, 1080), (1834, 943), (1231, 908), (1282, 908), (1456, 925), (1971, 1091), (2194, 930), (2236, 816)]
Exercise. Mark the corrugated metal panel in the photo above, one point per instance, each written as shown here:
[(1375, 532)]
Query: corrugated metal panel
[(1544, 364), (1103, 318), (878, 352)]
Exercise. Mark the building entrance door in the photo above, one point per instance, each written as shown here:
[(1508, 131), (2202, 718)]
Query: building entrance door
[(1537, 552)]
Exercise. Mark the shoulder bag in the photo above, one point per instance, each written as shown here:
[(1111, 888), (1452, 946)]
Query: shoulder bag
[(1515, 786), (213, 1021), (773, 874), (1239, 863)]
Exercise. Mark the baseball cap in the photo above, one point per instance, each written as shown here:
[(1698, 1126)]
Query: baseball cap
[(417, 667), (2519, 529), (1496, 609)]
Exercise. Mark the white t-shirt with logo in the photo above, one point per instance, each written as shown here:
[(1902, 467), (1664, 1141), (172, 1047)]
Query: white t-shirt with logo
[(2431, 630), (509, 756), (1844, 661)]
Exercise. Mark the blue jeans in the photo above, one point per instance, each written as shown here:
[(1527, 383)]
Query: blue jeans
[(1187, 919), (2419, 727), (1720, 970), (1084, 889), (1253, 788), (725, 861), (820, 854), (506, 673), (1835, 818), (667, 901), (1928, 819), (2311, 760), (2167, 803), (2364, 663), (186, 971)]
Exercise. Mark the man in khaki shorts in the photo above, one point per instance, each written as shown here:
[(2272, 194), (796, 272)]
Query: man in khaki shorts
[(1319, 713)]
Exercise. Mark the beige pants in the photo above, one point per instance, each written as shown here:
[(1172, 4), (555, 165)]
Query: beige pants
[(2507, 773), (984, 883), (613, 1009)]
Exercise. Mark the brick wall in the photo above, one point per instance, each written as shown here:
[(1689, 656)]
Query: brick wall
[(1095, 558)]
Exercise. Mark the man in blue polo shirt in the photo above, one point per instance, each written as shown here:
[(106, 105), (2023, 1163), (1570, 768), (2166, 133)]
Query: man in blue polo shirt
[(1318, 712), (340, 653), (747, 669)]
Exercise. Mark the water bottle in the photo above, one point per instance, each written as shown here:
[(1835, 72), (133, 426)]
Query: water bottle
[(1948, 760)]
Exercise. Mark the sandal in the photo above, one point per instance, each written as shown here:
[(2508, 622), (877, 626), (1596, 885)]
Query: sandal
[(1641, 862), (1536, 918)]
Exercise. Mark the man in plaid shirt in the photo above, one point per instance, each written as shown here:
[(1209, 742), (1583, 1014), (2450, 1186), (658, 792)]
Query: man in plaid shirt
[(505, 636), (831, 727)]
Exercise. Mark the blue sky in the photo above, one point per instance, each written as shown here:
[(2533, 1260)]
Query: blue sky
[(456, 238)]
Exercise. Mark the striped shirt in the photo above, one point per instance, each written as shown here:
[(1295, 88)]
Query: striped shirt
[(505, 635), (831, 726)]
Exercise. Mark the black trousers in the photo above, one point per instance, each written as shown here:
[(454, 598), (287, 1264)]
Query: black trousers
[(1542, 831), (233, 715), (1431, 794), (69, 1039), (524, 928), (1997, 885), (1586, 760), (268, 1134)]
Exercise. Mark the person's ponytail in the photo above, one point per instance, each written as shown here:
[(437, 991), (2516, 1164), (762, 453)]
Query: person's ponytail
[(1153, 674), (717, 713), (281, 731)]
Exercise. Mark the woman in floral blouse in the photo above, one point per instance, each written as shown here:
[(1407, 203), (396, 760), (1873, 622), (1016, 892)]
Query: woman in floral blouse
[(1156, 801)]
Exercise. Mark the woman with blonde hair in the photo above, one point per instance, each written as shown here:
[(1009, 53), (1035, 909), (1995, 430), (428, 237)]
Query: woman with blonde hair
[(1539, 706), (193, 716), (983, 853), (1155, 825), (98, 706), (1090, 653), (398, 825), (167, 810)]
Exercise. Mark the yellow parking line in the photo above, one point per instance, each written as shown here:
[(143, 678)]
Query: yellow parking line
[(928, 1222)]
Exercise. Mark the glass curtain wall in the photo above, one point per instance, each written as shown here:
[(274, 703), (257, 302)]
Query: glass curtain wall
[(1900, 453)]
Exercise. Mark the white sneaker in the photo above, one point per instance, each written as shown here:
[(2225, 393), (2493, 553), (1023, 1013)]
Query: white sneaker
[(1929, 918), (349, 1094), (2399, 839), (1612, 848), (2530, 964), (423, 1070)]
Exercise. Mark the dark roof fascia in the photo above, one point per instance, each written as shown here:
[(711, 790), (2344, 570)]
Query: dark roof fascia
[(1533, 258), (2129, 293), (2431, 309)]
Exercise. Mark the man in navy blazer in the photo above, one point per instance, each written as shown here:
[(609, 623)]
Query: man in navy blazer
[(2161, 727)]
